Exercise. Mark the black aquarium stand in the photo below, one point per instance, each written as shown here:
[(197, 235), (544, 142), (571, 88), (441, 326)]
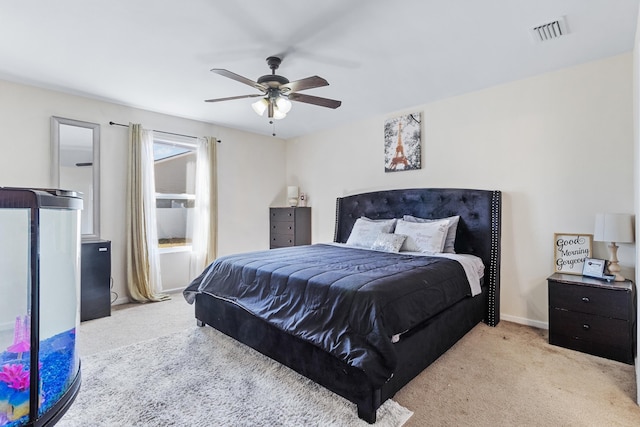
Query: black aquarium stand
[(95, 295)]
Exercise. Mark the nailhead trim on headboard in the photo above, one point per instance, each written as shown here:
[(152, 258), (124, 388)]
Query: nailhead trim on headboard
[(493, 314)]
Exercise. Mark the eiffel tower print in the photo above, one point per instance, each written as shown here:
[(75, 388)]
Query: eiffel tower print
[(399, 158), (402, 143)]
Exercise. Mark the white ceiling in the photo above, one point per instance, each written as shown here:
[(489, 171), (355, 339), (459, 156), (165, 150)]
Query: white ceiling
[(379, 56)]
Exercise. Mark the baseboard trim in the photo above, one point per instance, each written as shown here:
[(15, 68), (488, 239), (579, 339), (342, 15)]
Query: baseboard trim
[(121, 300), (524, 321), (126, 300)]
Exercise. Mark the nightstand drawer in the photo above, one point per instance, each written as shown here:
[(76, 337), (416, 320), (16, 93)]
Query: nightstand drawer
[(282, 228), (613, 352), (588, 327), (586, 299)]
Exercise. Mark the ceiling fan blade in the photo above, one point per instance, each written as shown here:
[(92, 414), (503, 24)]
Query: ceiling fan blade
[(234, 97), (302, 84), (315, 100), (239, 78)]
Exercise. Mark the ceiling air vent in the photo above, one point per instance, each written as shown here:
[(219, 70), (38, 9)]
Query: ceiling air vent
[(549, 31)]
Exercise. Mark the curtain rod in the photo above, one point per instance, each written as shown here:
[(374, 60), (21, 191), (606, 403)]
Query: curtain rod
[(161, 131)]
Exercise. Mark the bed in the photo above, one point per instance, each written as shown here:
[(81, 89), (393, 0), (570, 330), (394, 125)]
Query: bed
[(338, 334)]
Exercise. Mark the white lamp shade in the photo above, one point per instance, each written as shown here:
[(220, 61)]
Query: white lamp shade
[(292, 192), (283, 104), (278, 115), (616, 228), (260, 106)]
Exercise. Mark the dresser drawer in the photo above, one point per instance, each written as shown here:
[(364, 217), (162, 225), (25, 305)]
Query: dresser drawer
[(281, 240), (282, 214), (591, 300), (284, 227)]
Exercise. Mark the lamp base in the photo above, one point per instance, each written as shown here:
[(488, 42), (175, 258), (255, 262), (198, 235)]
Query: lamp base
[(613, 266), (293, 202)]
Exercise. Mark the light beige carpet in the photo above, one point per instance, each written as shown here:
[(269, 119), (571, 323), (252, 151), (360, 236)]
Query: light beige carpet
[(200, 377), (503, 376)]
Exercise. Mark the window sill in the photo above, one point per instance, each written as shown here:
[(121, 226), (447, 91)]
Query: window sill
[(174, 249)]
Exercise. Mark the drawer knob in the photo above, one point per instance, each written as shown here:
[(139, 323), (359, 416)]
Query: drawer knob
[(586, 327), (585, 299)]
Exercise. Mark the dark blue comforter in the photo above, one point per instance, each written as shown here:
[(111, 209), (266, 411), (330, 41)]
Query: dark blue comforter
[(344, 300)]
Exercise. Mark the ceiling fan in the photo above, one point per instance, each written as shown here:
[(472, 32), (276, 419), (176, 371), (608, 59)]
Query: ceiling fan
[(278, 91)]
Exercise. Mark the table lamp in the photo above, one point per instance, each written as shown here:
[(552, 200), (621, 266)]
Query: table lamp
[(614, 228), (292, 195)]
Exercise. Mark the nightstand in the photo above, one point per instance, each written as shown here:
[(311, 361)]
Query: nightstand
[(289, 227), (593, 316)]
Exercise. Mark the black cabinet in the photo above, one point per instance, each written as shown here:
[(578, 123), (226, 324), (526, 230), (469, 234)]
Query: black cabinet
[(592, 316), (95, 279), (289, 227)]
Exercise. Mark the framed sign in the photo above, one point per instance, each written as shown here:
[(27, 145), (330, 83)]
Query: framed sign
[(570, 251)]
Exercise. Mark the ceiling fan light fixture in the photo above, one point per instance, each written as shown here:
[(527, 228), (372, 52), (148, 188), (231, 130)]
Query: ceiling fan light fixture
[(260, 106), (283, 104), (277, 91)]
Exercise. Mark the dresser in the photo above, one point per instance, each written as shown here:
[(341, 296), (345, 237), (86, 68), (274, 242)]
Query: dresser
[(289, 227), (95, 280), (593, 316)]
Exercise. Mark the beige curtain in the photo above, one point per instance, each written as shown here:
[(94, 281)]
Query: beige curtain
[(204, 245), (142, 259)]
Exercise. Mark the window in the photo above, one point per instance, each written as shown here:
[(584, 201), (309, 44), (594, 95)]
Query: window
[(175, 175)]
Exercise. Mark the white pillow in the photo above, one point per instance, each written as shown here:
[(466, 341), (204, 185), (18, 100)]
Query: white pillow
[(365, 231), (388, 242), (450, 239), (426, 237)]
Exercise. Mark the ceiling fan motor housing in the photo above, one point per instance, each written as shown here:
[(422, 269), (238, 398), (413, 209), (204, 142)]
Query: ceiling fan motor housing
[(273, 80)]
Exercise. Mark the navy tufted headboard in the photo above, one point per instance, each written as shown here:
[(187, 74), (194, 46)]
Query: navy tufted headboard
[(478, 233)]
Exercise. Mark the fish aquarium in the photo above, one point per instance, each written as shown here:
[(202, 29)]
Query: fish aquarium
[(39, 304)]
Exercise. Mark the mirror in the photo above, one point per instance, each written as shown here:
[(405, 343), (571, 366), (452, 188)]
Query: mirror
[(76, 167)]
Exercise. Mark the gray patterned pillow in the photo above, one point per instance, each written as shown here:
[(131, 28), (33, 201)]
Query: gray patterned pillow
[(388, 242), (365, 231)]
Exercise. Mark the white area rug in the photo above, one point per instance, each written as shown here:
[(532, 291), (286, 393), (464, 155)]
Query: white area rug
[(201, 377)]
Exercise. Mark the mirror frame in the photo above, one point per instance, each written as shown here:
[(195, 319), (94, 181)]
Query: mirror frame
[(55, 165)]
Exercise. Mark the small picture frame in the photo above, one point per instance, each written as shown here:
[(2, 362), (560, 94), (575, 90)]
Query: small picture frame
[(570, 251), (594, 267)]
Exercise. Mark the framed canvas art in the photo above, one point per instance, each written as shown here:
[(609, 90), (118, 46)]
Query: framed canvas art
[(402, 143), (570, 251)]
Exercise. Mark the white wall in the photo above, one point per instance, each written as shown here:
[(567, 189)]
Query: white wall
[(636, 178), (559, 146), (251, 168)]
